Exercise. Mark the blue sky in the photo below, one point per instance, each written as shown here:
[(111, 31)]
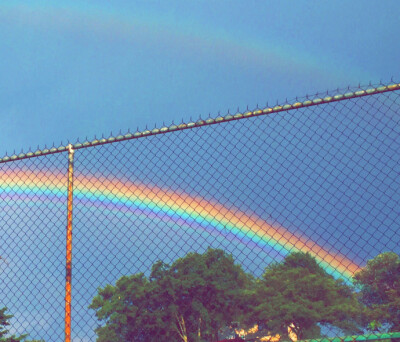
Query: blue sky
[(77, 68)]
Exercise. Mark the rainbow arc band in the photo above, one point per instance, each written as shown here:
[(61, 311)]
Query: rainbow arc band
[(189, 210)]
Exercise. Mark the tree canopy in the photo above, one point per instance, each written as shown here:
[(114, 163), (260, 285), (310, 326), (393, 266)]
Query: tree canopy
[(199, 295), (379, 284), (4, 323), (189, 300), (299, 294)]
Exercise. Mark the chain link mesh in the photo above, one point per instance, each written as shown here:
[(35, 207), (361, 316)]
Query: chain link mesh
[(321, 179)]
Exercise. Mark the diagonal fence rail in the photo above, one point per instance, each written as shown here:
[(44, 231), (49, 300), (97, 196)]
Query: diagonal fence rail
[(284, 218)]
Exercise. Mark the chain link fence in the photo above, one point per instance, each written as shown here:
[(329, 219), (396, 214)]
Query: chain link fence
[(319, 175)]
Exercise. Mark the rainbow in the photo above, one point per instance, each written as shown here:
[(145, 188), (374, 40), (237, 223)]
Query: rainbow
[(186, 36), (166, 204)]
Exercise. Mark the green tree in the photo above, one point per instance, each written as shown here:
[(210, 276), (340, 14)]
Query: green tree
[(299, 293), (132, 311), (4, 323), (379, 284), (187, 301), (208, 292)]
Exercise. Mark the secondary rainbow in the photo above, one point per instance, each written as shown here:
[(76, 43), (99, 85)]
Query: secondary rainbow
[(111, 23), (164, 203)]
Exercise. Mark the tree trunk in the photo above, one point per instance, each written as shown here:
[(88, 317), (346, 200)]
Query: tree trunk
[(199, 331), (181, 327)]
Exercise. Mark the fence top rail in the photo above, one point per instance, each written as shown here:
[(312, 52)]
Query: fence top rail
[(358, 338), (206, 122)]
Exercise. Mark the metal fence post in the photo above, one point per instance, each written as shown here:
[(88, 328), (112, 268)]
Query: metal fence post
[(68, 264)]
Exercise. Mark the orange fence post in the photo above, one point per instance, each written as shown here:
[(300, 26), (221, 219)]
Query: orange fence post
[(68, 264)]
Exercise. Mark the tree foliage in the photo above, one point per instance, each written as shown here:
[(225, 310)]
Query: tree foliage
[(187, 301), (298, 293), (129, 311), (379, 284), (4, 323), (192, 299)]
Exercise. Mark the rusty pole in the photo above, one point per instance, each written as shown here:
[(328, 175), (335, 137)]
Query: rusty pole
[(68, 264)]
